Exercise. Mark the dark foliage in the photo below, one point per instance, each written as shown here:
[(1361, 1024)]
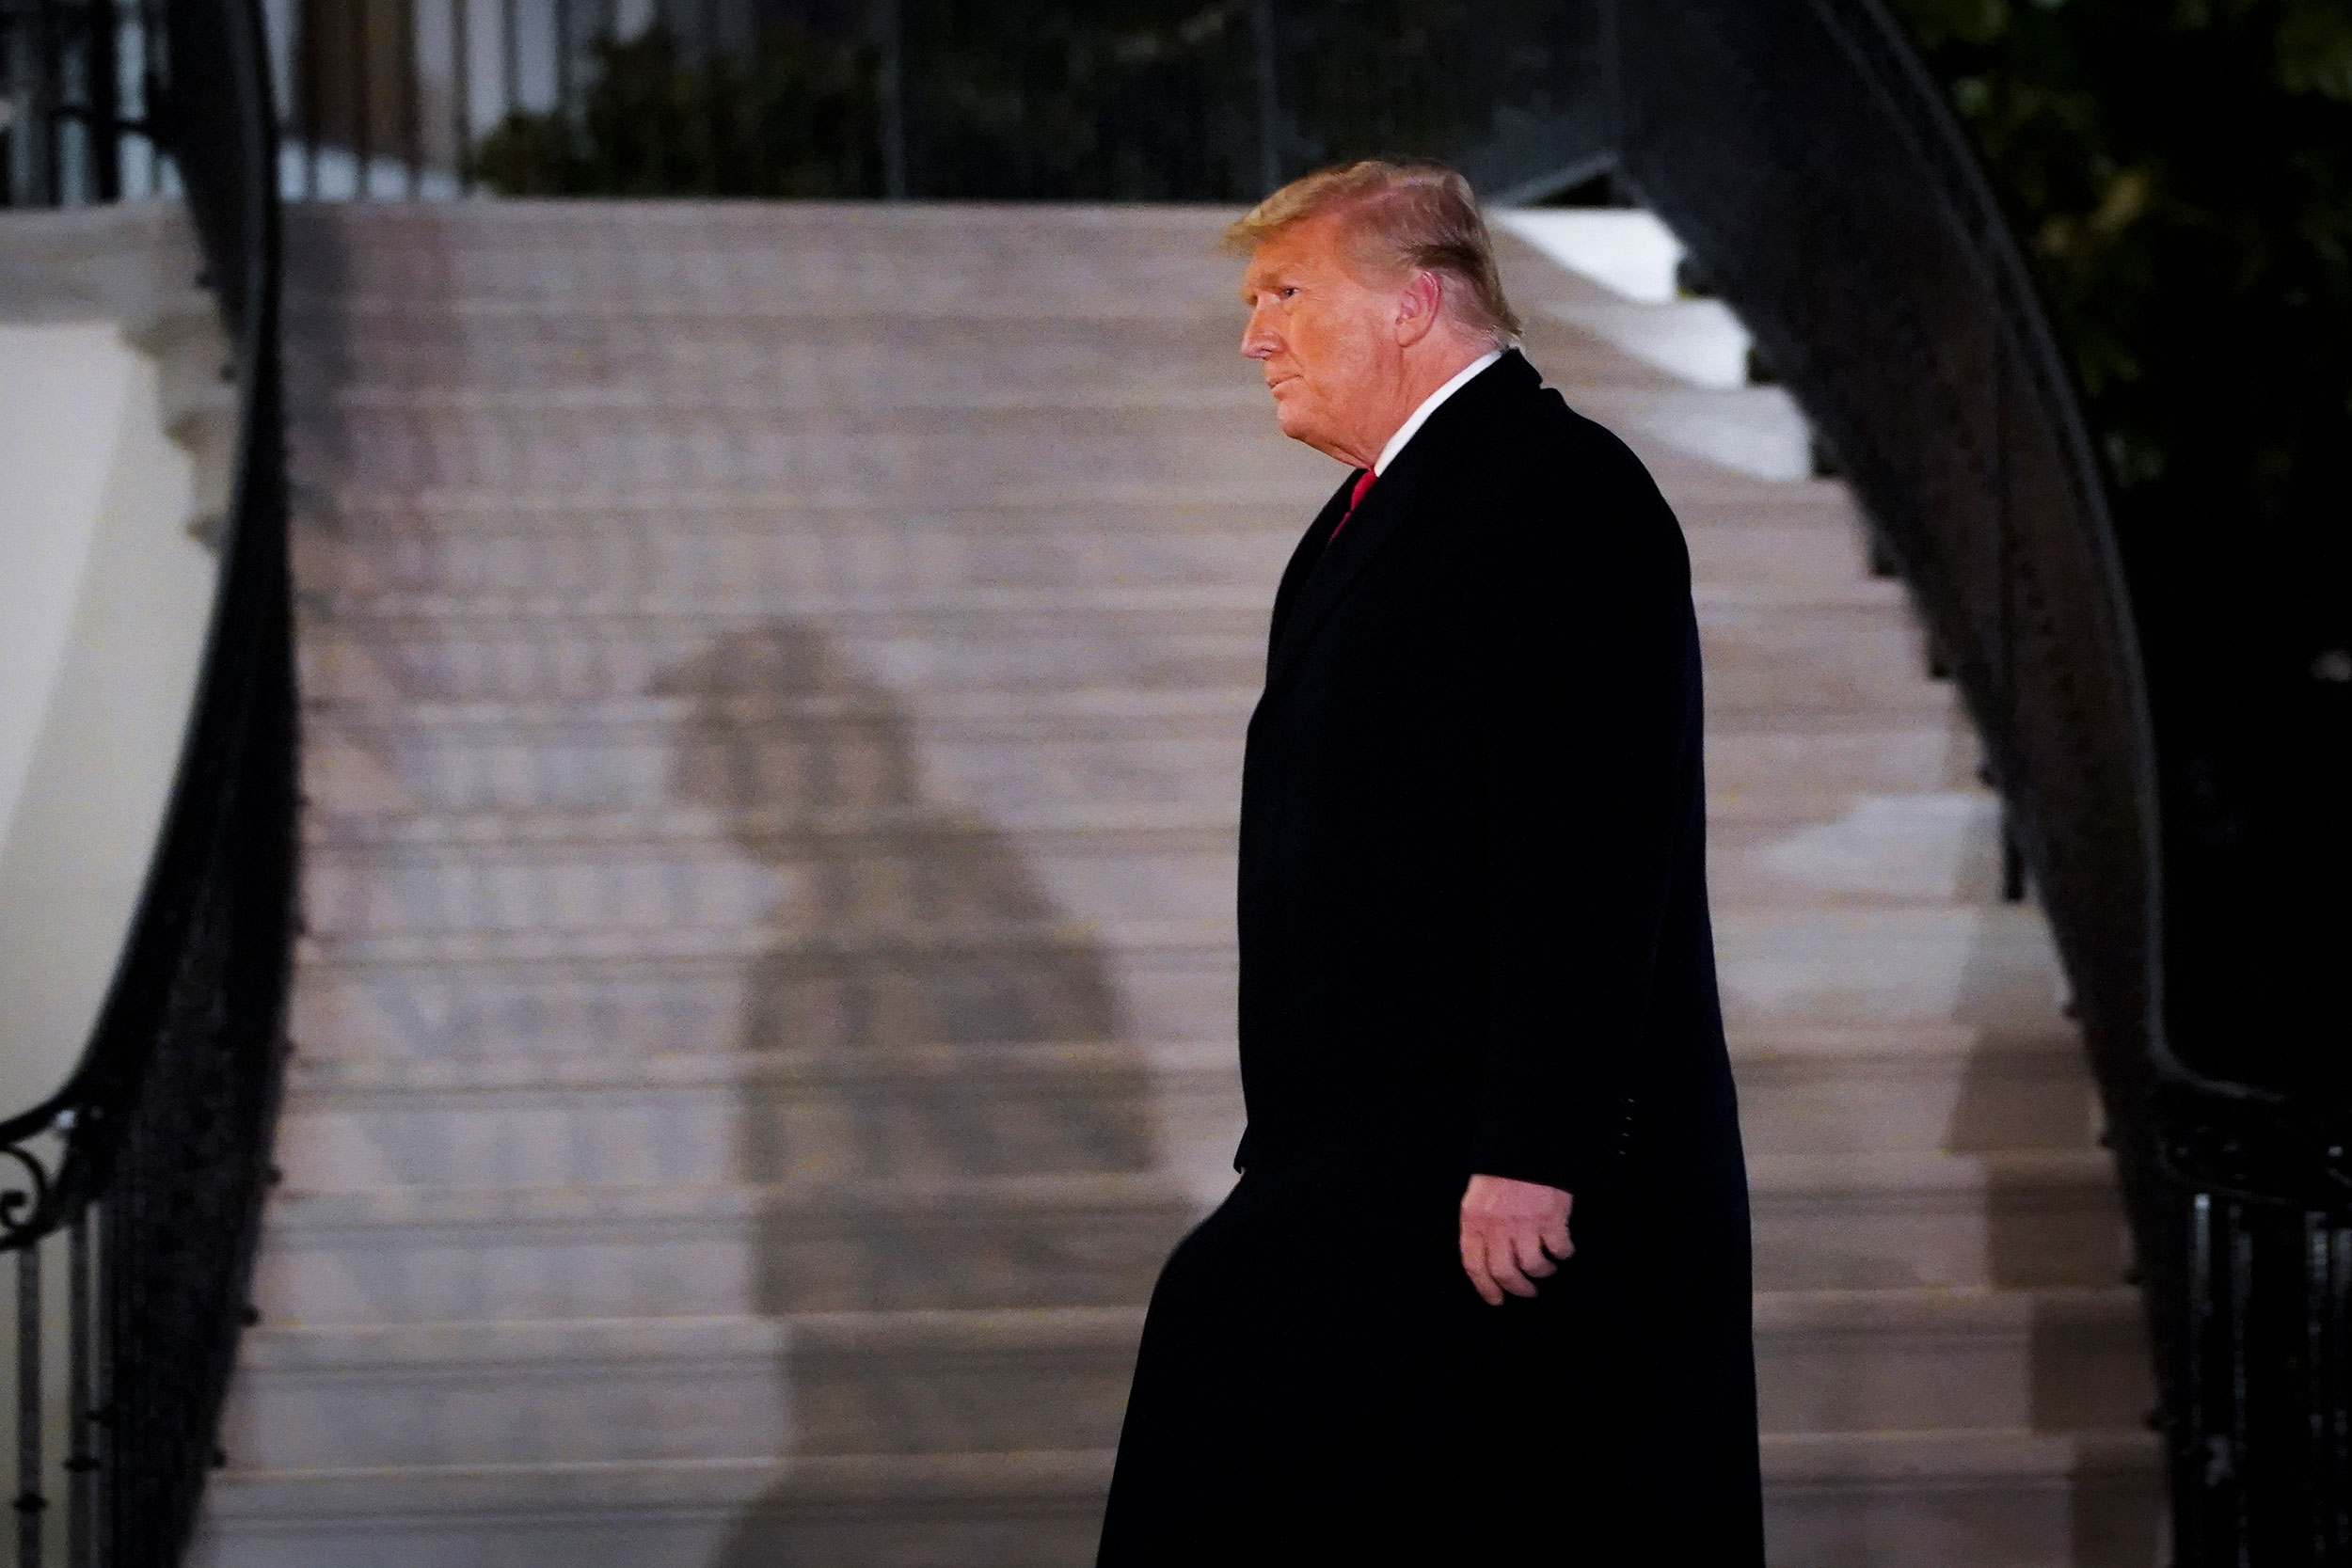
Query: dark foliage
[(2180, 174), (1036, 99), (1042, 100), (1119, 100), (795, 117)]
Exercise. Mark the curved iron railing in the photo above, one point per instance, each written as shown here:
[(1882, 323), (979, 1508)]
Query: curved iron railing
[(153, 1159)]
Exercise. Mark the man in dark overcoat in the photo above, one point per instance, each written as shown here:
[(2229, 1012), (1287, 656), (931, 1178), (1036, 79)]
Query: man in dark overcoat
[(1481, 1292)]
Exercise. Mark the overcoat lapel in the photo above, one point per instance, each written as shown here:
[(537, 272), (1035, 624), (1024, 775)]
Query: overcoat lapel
[(1302, 564), (1386, 511)]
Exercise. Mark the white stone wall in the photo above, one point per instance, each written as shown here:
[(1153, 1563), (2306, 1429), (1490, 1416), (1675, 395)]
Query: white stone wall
[(109, 374)]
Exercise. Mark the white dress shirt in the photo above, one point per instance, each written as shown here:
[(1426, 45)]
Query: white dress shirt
[(1428, 407)]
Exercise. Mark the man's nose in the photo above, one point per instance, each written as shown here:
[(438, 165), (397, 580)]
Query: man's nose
[(1257, 341)]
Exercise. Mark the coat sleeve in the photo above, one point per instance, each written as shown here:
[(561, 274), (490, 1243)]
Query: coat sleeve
[(1587, 776)]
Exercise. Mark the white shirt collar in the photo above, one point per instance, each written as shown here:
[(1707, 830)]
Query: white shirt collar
[(1428, 407)]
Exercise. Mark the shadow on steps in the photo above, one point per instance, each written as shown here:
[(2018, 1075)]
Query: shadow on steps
[(909, 946)]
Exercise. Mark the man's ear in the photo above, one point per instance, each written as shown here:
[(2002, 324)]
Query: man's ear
[(1418, 307)]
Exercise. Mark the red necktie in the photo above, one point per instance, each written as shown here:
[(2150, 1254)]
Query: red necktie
[(1355, 500)]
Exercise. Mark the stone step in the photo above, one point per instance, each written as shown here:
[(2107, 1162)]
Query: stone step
[(615, 559), (592, 779), (1989, 966), (794, 875), (1824, 754), (1856, 849), (430, 1254), (1699, 342), (815, 260), (1157, 750), (645, 990), (1091, 849), (1873, 1222), (594, 446), (466, 353), (768, 1115), (1704, 497), (477, 906), (1751, 432), (2067, 1359), (1050, 715), (633, 1390), (1909, 1088), (546, 1000), (749, 1117), (1232, 401), (1115, 601), (1756, 432), (824, 553), (1940, 962), (923, 456), (668, 1389), (2020, 1499), (949, 263), (1036, 1510), (417, 1255), (498, 660), (1802, 659), (975, 612), (1739, 624)]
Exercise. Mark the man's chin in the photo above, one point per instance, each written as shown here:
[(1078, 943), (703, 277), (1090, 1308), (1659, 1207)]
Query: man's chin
[(1296, 422)]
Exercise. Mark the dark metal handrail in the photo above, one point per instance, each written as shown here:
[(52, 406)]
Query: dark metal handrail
[(153, 1156)]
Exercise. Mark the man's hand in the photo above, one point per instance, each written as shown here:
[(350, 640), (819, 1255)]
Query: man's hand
[(1514, 1233)]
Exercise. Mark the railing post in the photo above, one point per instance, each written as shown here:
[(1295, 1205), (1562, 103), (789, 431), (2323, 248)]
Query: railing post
[(103, 123), (38, 113), (411, 127), (301, 49), (362, 100), (563, 26), (510, 59), (2239, 1259), (105, 1447), (1266, 46), (29, 1501), (81, 1403), (894, 98), (461, 90), (2189, 1464)]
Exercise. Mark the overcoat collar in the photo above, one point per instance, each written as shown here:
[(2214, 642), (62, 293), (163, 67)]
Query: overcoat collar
[(1388, 506)]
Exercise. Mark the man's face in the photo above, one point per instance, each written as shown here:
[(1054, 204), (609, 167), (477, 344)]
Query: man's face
[(1325, 341)]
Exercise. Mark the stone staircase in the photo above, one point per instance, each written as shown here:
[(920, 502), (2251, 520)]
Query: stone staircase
[(775, 680)]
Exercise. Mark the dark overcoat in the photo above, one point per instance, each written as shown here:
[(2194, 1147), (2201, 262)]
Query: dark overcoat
[(1473, 939)]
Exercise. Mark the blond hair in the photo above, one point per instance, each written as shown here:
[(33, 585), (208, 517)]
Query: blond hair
[(1399, 217)]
